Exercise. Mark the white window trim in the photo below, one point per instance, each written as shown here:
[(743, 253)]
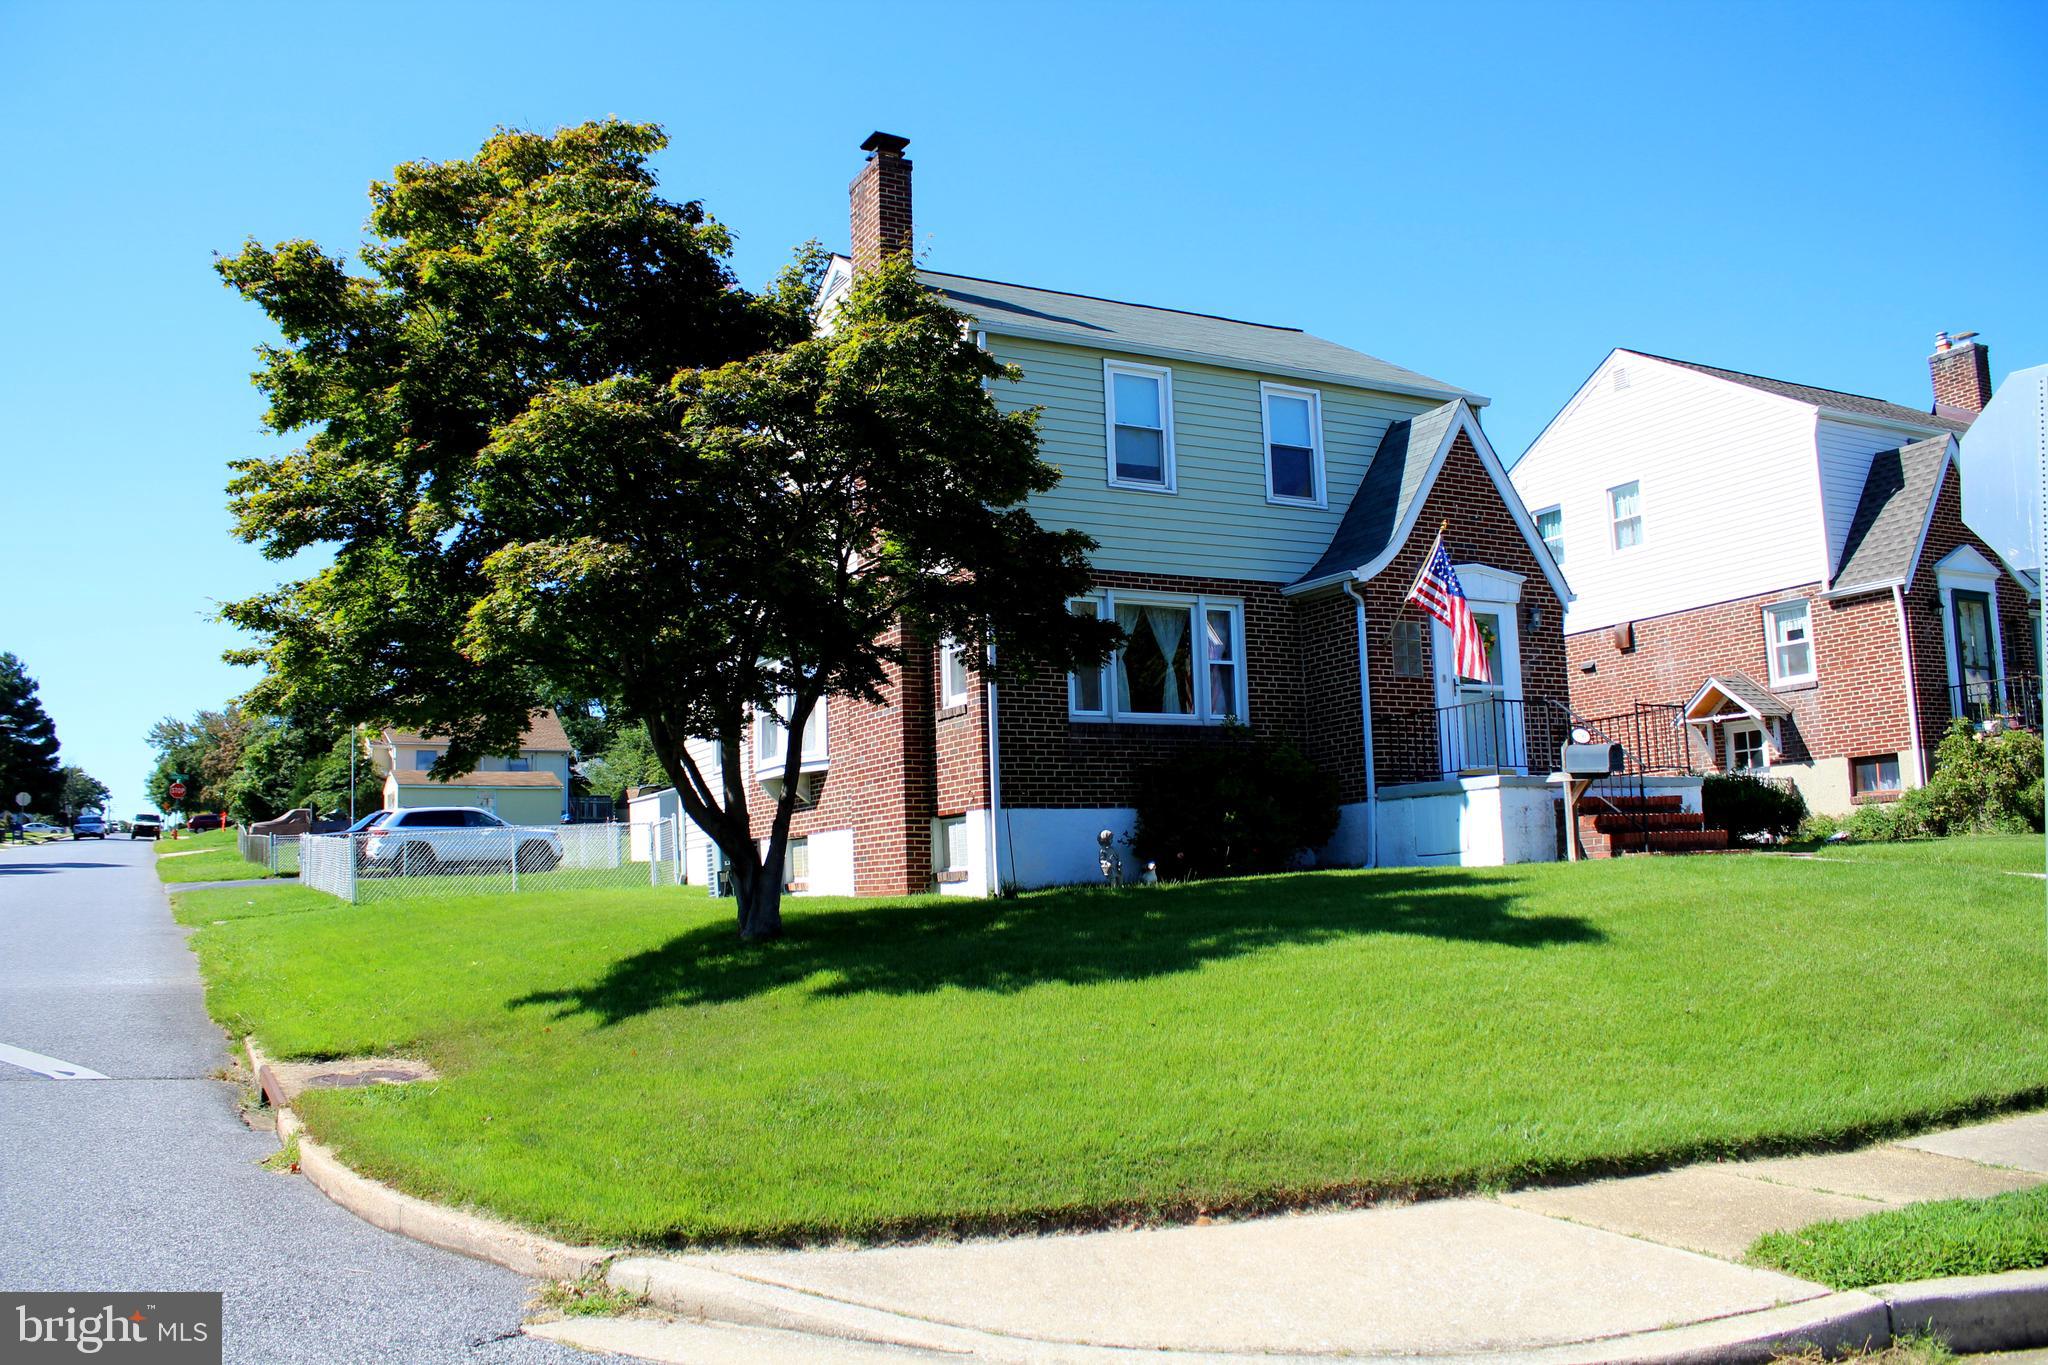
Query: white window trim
[(947, 696), (1614, 522), (1168, 475), (1268, 391), (1778, 679), (1199, 605), (1764, 737), (1536, 520), (811, 760)]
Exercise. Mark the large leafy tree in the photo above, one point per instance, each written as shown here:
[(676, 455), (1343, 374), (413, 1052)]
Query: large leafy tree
[(82, 791), (559, 451), (28, 741), (203, 752)]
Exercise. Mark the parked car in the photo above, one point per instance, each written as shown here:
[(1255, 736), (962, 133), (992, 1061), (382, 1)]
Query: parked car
[(147, 827), (426, 839), (89, 827), (368, 822), (41, 827), (200, 824)]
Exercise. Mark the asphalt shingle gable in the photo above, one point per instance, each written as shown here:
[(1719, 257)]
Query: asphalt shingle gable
[(1823, 398), (1392, 484), (1890, 515)]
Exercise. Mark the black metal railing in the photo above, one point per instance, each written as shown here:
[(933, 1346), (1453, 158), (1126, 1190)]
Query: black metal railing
[(1500, 735), (2014, 700)]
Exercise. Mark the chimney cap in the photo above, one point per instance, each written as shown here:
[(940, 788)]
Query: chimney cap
[(885, 144)]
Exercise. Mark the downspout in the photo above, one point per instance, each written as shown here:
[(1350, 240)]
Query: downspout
[(1372, 814), (1912, 690), (995, 793)]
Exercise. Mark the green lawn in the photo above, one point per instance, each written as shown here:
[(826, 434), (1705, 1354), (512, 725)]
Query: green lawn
[(2000, 852), (617, 1067), (1920, 1242), (208, 857)]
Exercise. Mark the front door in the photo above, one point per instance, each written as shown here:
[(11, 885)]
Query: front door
[(1485, 736), (1976, 669)]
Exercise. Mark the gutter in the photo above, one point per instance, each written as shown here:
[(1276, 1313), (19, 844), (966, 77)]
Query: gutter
[(1372, 797), (1912, 692), (995, 793)]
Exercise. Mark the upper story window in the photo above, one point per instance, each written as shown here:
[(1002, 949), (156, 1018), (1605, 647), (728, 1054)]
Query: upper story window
[(1182, 661), (1294, 445), (1788, 633), (952, 673), (1139, 401), (771, 735), (1550, 525), (1625, 507), (423, 759), (519, 763)]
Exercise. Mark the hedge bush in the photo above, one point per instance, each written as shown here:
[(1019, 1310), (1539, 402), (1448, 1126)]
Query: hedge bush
[(1982, 782), (1748, 807), (1230, 806)]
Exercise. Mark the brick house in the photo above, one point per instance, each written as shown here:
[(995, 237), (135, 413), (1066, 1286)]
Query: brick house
[(1788, 563), (1262, 500)]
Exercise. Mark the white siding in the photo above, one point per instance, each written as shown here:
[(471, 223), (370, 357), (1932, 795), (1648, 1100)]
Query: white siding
[(1730, 491), (1218, 523), (1845, 451)]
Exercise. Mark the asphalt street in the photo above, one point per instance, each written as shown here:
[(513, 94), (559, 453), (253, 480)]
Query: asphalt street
[(147, 1180)]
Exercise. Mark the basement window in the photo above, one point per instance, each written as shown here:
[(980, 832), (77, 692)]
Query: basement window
[(1874, 776)]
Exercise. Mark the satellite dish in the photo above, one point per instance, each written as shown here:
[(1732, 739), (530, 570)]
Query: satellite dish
[(2003, 454)]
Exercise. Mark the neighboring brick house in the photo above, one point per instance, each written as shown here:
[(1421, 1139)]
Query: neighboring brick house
[(1788, 563), (529, 787), (1259, 496)]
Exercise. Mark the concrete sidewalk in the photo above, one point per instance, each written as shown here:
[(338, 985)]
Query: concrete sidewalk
[(1617, 1269)]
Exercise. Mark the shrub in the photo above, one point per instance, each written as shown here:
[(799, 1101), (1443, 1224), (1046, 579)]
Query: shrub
[(1747, 806), (1983, 782), (1233, 805), (1887, 822), (1818, 828)]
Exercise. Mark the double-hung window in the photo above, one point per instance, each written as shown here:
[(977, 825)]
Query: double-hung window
[(952, 673), (771, 736), (1182, 661), (1139, 401), (1625, 507), (1294, 445), (1550, 525), (1788, 633), (423, 759), (519, 763)]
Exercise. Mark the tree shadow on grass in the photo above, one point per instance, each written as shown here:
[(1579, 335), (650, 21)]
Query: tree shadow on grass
[(1072, 937)]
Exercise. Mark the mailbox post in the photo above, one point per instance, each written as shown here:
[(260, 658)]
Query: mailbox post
[(1583, 763)]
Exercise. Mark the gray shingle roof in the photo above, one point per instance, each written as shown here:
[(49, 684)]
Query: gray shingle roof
[(1744, 690), (1136, 328), (1884, 535), (1824, 398), (1392, 484)]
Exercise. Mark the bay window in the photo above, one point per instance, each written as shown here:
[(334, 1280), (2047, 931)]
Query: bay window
[(1182, 661), (1139, 404), (952, 673), (1294, 444), (771, 736)]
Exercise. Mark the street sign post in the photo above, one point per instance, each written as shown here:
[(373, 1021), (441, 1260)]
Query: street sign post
[(177, 791)]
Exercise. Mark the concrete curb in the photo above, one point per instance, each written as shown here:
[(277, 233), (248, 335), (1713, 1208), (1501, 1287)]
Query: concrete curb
[(1972, 1313), (471, 1234)]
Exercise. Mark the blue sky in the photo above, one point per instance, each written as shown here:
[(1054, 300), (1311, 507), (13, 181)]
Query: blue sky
[(1493, 195)]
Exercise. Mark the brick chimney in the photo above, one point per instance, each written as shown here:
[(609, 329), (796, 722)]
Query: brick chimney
[(881, 201), (1962, 374)]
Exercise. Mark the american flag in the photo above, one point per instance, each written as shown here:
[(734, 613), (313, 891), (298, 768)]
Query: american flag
[(1437, 592)]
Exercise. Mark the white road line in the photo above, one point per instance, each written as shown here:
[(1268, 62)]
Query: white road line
[(46, 1066)]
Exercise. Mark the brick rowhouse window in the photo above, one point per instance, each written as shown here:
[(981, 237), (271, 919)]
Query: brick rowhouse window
[(1550, 525), (771, 735), (1625, 506), (952, 673), (1294, 445), (1746, 751), (1182, 661), (1788, 629), (1139, 399), (1878, 773)]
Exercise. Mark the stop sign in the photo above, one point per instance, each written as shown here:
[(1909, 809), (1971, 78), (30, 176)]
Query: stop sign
[(177, 791)]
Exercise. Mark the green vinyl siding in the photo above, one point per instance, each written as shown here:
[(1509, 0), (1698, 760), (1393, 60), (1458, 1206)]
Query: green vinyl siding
[(1218, 522)]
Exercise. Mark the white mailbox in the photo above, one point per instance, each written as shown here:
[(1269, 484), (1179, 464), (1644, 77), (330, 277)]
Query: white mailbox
[(1590, 760)]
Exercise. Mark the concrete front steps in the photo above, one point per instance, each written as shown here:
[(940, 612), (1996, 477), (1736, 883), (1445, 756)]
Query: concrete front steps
[(1612, 825)]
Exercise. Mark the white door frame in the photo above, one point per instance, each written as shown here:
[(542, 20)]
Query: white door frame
[(1488, 591)]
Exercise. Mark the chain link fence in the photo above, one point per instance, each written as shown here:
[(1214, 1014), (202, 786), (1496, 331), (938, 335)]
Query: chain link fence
[(440, 864), (278, 852)]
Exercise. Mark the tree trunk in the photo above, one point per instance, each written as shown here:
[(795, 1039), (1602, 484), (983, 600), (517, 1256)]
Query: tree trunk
[(759, 899)]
